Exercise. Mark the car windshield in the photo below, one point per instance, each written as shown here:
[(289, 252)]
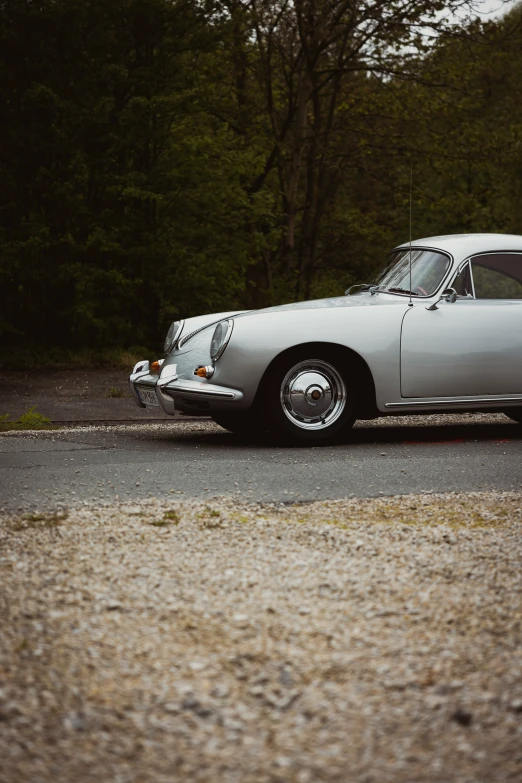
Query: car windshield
[(428, 268)]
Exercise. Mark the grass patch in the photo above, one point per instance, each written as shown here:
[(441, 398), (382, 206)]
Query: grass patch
[(114, 391), (210, 518), (169, 518), (42, 520), (30, 420)]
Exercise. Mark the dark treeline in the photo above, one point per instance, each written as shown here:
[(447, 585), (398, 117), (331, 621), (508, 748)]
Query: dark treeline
[(162, 158)]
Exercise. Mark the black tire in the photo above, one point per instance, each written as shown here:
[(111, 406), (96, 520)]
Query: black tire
[(308, 396), (515, 414), (242, 423)]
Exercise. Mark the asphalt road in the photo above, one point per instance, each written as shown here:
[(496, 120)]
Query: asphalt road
[(104, 464)]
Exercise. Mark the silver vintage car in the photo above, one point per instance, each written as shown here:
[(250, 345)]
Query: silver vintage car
[(439, 330)]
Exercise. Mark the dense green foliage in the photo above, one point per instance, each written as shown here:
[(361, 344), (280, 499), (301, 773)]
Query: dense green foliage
[(162, 158)]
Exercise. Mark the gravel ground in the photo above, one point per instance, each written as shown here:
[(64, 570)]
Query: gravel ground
[(355, 640), (189, 425)]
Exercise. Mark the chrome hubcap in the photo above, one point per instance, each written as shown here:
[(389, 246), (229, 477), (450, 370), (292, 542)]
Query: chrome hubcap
[(313, 395)]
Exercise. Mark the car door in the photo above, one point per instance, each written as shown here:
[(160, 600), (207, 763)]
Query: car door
[(472, 347)]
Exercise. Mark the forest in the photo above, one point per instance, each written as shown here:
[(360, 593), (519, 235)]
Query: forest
[(165, 158)]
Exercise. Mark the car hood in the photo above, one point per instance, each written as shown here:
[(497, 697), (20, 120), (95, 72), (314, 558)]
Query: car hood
[(361, 299)]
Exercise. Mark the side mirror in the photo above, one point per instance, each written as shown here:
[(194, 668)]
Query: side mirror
[(448, 295)]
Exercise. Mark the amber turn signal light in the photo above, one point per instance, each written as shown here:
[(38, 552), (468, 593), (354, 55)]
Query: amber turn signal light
[(204, 372), (155, 367)]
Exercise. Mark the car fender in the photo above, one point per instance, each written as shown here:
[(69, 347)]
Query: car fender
[(258, 338)]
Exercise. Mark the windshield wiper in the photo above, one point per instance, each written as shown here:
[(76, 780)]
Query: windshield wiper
[(371, 287), (401, 291)]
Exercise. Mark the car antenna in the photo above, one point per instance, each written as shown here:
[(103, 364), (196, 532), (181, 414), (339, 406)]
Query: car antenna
[(410, 304)]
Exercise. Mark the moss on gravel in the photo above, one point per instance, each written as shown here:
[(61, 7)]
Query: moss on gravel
[(30, 420)]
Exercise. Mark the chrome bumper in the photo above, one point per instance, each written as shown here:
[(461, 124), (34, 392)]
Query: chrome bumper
[(185, 395), (141, 376)]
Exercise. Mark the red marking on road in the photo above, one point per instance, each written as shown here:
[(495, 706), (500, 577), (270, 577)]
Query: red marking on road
[(432, 442), (446, 442)]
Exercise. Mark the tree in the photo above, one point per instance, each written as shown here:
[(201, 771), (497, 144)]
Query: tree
[(313, 60)]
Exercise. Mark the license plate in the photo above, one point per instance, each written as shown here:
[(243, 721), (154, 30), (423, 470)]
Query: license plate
[(148, 397)]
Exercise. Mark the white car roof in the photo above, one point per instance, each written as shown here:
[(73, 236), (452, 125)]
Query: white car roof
[(463, 245)]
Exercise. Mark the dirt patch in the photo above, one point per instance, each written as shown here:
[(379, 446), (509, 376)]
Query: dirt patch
[(72, 395)]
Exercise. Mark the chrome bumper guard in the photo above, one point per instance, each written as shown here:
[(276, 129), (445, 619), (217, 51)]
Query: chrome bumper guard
[(141, 376)]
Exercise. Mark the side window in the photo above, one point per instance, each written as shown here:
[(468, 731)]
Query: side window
[(497, 276), (462, 283)]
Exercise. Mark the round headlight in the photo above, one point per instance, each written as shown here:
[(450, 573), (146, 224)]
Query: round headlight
[(173, 335), (220, 338)]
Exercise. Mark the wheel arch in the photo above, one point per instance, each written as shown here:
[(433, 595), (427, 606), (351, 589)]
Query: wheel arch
[(366, 404)]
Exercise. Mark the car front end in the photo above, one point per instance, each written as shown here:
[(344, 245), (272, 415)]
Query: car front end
[(184, 381)]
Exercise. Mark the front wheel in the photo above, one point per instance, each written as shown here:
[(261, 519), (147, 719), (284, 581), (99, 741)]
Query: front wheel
[(515, 414), (308, 400)]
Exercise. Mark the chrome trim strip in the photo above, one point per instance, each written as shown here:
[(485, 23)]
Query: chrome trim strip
[(185, 338), (471, 278), (175, 339), (446, 401), (230, 326), (203, 392)]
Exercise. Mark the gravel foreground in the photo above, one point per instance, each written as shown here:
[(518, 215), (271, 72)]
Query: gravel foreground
[(358, 640)]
